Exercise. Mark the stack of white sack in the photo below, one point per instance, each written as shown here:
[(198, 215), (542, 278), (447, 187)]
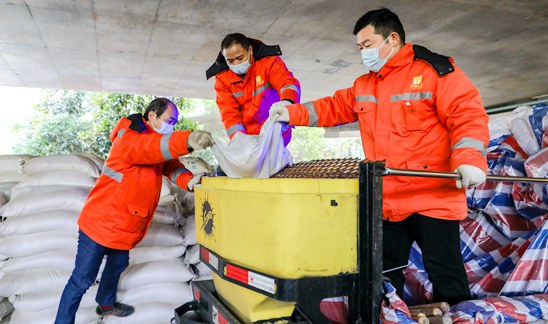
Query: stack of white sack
[(38, 237), (10, 175), (157, 280)]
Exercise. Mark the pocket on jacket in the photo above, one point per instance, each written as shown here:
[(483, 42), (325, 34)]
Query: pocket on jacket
[(428, 165), (138, 211), (366, 113), (413, 115), (364, 108)]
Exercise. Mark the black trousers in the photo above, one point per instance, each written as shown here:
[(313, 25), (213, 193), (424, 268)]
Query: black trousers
[(439, 241)]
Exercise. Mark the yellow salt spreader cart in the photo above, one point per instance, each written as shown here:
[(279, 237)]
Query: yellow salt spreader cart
[(277, 247)]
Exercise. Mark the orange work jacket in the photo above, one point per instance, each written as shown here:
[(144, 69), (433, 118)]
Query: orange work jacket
[(121, 205), (244, 103), (418, 112)]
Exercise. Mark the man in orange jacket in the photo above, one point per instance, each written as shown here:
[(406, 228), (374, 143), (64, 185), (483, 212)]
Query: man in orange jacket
[(416, 110), (121, 205), (250, 78)]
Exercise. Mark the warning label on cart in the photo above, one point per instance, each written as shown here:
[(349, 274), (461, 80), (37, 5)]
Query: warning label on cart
[(262, 282)]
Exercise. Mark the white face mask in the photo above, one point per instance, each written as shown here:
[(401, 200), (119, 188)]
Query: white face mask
[(372, 59), (240, 68), (165, 128)]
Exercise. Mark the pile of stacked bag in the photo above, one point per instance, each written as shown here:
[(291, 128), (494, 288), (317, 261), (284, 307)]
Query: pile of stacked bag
[(9, 177), (38, 241), (504, 240)]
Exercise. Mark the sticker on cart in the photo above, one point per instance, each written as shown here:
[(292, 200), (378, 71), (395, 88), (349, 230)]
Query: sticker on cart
[(207, 219), (197, 294), (209, 258), (217, 317), (262, 282), (214, 261)]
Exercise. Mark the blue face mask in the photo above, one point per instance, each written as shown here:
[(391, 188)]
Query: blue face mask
[(240, 68), (372, 59), (165, 128)]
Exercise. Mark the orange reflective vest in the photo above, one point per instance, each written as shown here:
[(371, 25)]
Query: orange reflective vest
[(121, 205), (244, 103), (418, 112)]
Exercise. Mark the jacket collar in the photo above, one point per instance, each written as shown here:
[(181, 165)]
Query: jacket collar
[(134, 122), (260, 50), (403, 57)]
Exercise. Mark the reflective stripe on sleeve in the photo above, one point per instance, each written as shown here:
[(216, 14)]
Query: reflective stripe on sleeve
[(176, 173), (114, 175), (261, 89), (367, 98), (121, 132), (312, 115), (164, 147), (468, 142), (292, 87), (238, 94), (411, 96), (235, 128)]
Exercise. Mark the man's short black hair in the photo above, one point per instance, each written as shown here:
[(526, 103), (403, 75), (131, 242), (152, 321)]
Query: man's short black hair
[(383, 20), (158, 105), (235, 38)]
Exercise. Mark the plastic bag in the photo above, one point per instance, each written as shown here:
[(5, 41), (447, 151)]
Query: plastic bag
[(520, 125), (537, 122), (537, 166), (499, 129), (254, 156), (502, 208), (393, 309), (501, 310)]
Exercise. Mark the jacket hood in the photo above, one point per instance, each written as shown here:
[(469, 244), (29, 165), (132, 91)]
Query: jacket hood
[(260, 50)]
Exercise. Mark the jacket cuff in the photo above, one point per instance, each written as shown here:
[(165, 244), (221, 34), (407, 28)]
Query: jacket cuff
[(178, 143), (291, 95), (183, 179), (470, 158), (298, 115)]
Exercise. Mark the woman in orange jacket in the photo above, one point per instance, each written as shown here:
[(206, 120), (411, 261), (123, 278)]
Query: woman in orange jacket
[(121, 205), (416, 110)]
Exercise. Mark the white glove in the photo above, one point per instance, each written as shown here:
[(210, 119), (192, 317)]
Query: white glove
[(198, 140), (195, 180), (278, 112), (281, 103), (471, 176)]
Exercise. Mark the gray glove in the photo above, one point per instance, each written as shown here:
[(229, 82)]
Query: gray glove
[(199, 140)]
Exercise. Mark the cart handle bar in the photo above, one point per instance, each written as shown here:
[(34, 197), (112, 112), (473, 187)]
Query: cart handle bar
[(457, 176)]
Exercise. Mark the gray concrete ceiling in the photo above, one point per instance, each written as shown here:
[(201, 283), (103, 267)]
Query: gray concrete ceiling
[(163, 47)]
